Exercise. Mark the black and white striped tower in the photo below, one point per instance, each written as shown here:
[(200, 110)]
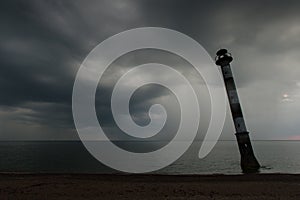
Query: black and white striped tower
[(248, 160)]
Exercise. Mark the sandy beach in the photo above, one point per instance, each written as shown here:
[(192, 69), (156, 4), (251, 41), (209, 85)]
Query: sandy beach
[(82, 186)]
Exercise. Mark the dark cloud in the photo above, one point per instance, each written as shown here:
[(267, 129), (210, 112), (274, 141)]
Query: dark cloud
[(42, 45)]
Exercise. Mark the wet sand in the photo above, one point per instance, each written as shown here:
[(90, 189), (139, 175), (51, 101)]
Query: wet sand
[(83, 186)]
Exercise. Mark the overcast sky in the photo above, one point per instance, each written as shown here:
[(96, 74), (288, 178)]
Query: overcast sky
[(43, 44)]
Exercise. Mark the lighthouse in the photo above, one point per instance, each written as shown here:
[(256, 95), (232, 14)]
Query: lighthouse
[(248, 161)]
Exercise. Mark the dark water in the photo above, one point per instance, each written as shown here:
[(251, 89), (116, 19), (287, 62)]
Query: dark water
[(72, 157)]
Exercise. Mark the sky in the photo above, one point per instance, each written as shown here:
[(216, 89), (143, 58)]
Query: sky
[(43, 44)]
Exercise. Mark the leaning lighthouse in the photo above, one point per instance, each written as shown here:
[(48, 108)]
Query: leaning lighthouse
[(248, 160)]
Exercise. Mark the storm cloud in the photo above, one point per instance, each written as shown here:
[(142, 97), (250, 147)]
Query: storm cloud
[(43, 43)]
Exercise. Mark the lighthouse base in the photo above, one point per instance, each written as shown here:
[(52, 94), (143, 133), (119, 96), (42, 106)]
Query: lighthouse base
[(249, 163)]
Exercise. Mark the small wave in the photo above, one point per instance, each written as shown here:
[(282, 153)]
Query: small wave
[(266, 167)]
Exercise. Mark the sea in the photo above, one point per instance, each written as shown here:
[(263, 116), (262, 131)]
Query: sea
[(72, 157)]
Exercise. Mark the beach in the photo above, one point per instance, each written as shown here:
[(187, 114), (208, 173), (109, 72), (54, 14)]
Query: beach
[(100, 186)]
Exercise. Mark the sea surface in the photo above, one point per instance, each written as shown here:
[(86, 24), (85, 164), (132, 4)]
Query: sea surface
[(72, 157)]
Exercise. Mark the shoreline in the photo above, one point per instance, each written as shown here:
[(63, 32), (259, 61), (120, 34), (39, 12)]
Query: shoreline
[(148, 186)]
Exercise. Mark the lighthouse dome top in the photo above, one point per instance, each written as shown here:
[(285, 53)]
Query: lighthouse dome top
[(222, 52)]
